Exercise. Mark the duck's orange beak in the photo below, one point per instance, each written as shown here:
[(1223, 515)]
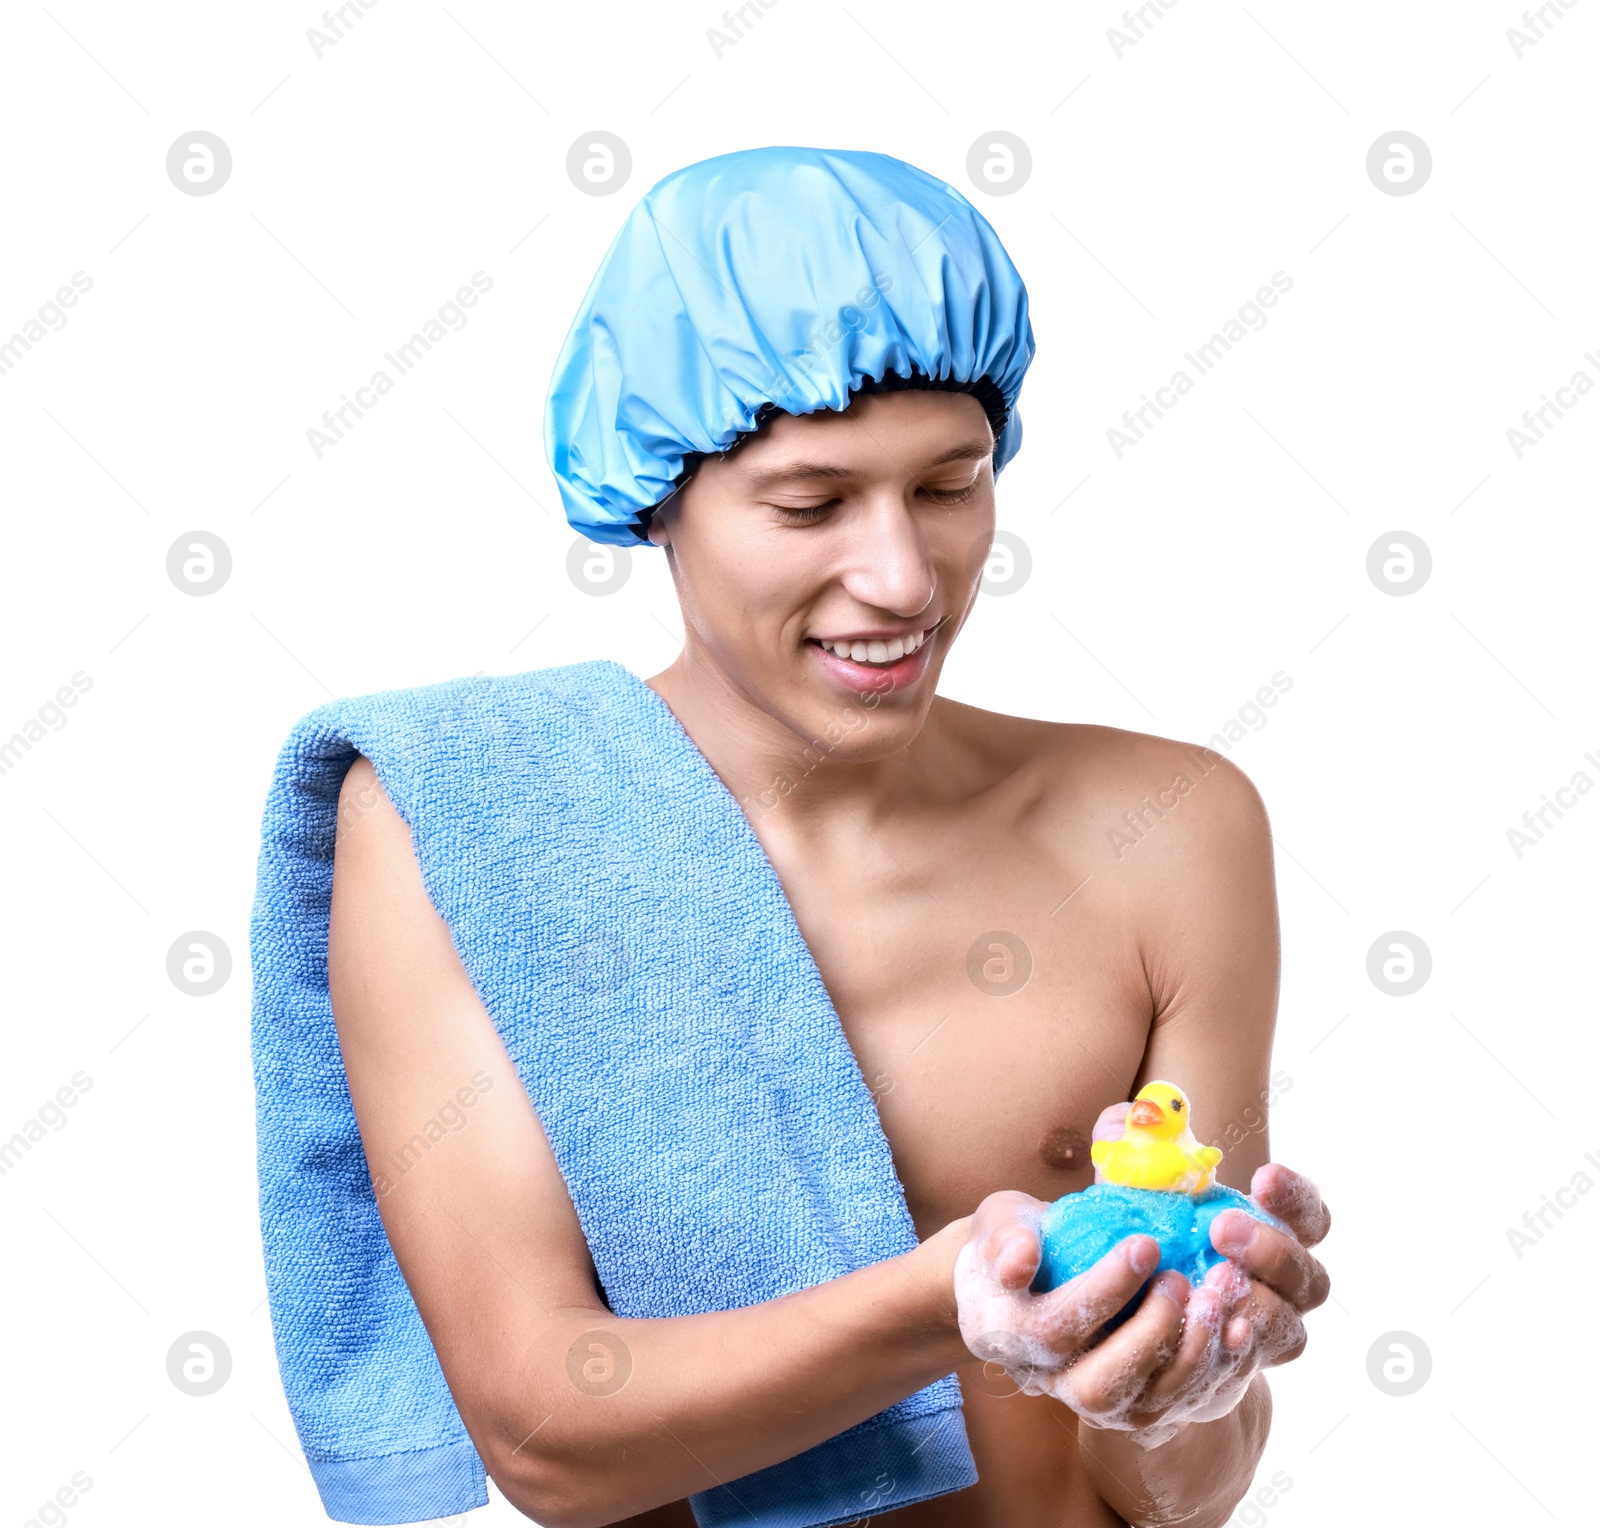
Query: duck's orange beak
[(1145, 1113)]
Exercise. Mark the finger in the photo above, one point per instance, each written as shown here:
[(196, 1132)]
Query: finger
[(1109, 1126), (1002, 1208), (1203, 1316), (1071, 1315), (1012, 1253), (1294, 1199), (1234, 1288), (1270, 1256), (1005, 1234), (1109, 1379), (1267, 1324)]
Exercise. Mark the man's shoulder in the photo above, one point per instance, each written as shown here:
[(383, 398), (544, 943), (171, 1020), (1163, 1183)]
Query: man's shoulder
[(1087, 774)]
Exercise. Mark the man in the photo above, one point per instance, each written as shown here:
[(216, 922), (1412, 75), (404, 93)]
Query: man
[(1005, 982)]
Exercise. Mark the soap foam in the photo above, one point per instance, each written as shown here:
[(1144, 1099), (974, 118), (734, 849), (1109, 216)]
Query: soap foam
[(1002, 1326)]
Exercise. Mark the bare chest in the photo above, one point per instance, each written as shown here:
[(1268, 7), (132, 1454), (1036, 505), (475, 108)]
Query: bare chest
[(993, 1006)]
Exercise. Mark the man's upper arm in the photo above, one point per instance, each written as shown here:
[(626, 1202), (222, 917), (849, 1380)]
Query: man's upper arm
[(468, 1188), (1208, 918)]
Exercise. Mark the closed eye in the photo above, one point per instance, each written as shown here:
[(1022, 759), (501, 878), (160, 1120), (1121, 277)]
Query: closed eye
[(802, 514)]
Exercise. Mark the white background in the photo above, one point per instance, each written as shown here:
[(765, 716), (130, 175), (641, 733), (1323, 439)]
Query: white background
[(1168, 184)]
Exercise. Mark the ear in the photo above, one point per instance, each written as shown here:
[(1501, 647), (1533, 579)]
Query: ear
[(657, 530)]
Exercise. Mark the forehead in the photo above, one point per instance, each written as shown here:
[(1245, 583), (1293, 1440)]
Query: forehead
[(908, 431)]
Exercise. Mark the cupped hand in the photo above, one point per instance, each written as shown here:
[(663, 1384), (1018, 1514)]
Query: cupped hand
[(1187, 1354)]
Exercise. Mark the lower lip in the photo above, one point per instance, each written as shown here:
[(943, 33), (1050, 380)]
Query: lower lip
[(877, 678)]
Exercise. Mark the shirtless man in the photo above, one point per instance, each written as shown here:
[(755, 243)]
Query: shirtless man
[(923, 821)]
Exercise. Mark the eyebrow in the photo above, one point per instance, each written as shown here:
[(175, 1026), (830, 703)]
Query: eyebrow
[(792, 471)]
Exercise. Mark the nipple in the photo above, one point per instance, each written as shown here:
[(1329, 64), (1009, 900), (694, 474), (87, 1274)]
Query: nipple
[(1065, 1147)]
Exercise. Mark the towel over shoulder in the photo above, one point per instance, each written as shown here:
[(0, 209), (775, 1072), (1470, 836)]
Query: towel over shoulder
[(635, 950)]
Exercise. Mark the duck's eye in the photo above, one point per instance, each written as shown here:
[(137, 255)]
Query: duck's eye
[(1177, 1106)]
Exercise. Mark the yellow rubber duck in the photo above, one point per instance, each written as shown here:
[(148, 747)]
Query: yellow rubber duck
[(1158, 1149)]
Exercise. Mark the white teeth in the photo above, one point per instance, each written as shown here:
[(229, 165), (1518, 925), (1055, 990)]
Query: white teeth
[(878, 652)]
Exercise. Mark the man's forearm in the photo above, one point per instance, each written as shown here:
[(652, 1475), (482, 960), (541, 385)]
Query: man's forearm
[(1196, 1478), (710, 1398)]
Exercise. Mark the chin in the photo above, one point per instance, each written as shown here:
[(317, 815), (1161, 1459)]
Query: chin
[(858, 726)]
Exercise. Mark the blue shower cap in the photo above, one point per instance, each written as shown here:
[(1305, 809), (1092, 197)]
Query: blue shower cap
[(773, 279)]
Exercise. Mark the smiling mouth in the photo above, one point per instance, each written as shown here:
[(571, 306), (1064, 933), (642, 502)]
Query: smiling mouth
[(875, 652)]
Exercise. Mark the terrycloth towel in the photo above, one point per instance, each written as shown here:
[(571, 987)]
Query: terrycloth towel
[(632, 943)]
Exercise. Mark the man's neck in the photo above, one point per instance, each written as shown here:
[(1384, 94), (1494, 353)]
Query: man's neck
[(765, 763)]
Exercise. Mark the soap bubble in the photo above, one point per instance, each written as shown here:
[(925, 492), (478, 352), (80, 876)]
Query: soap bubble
[(1005, 1356)]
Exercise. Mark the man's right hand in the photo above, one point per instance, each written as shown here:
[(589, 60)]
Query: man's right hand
[(1036, 1335)]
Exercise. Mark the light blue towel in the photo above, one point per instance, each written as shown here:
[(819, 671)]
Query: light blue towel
[(634, 947)]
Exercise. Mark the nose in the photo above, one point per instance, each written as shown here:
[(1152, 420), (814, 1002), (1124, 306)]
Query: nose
[(890, 567)]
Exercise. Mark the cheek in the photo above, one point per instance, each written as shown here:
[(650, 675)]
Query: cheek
[(966, 545), (741, 591)]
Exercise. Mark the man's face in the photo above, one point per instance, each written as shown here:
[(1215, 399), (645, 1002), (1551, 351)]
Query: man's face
[(825, 565)]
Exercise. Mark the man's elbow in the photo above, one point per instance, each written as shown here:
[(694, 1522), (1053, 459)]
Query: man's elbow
[(549, 1485), (544, 1491)]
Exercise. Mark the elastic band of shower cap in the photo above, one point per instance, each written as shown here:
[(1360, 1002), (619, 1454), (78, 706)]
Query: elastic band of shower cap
[(776, 280)]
